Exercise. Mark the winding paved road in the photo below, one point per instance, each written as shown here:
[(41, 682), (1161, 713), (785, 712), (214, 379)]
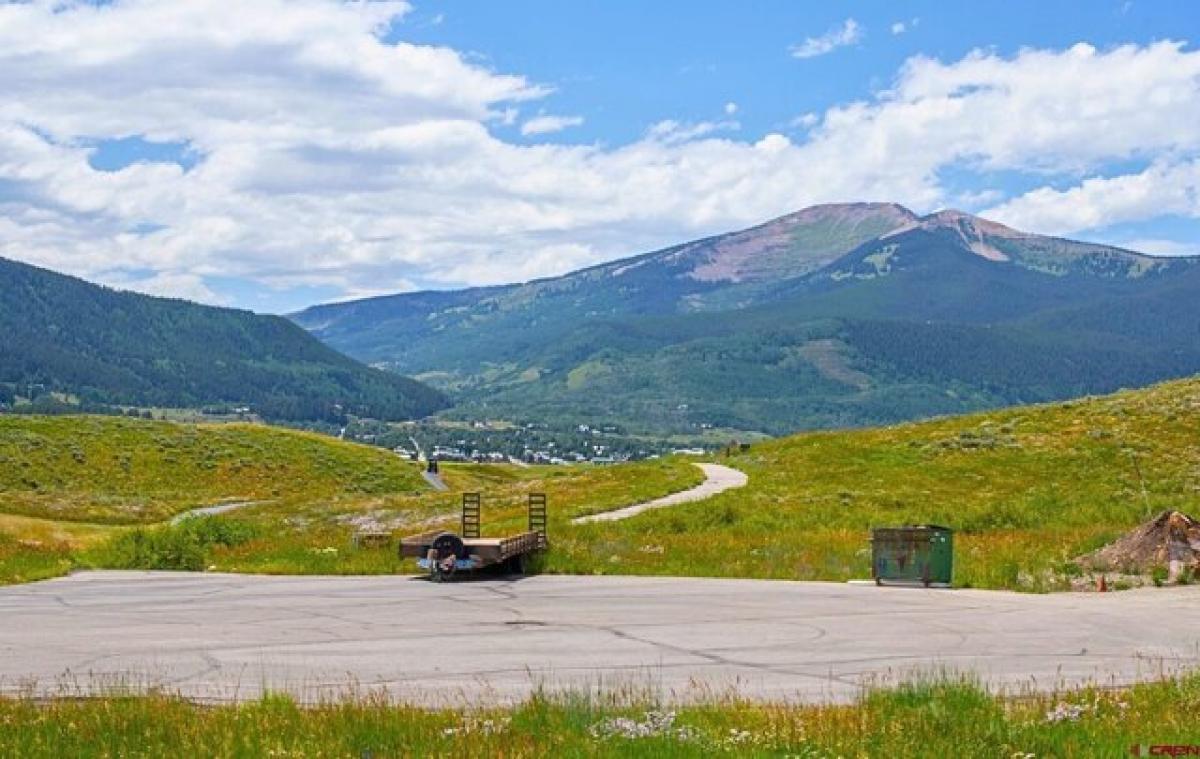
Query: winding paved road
[(211, 511), (717, 479), (223, 637)]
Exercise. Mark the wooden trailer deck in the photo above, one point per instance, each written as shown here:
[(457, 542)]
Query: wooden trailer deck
[(489, 550), (442, 553)]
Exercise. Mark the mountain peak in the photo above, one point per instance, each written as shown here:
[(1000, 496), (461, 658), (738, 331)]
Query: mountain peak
[(793, 244), (861, 209), (975, 232), (953, 218)]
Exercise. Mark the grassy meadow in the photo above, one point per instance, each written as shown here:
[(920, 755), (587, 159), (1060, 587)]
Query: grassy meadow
[(315, 537), (89, 491), (110, 470), (935, 718), (1027, 489)]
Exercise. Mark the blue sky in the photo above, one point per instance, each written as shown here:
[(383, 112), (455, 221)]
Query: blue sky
[(314, 150), (623, 64)]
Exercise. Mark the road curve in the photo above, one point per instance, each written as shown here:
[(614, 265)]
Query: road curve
[(227, 637), (717, 479), (211, 511)]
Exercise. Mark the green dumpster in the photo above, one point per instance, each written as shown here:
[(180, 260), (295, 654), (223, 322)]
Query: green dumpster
[(921, 553)]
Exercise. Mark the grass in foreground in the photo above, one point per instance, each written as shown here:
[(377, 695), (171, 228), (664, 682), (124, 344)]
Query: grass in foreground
[(938, 718)]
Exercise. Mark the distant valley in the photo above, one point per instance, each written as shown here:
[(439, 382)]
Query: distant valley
[(838, 315)]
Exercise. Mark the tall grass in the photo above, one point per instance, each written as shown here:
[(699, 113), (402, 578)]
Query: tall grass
[(187, 545), (28, 559), (934, 718)]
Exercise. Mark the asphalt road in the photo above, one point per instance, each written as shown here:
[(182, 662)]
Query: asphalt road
[(224, 637), (717, 479), (211, 511)]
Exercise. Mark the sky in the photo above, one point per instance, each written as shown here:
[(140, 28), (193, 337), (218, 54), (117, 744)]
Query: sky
[(288, 153)]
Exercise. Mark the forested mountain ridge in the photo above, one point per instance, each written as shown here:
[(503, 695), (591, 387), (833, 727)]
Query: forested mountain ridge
[(837, 315), (108, 347), (697, 275)]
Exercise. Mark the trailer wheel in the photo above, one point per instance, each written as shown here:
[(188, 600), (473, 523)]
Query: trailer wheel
[(516, 564), (449, 544)]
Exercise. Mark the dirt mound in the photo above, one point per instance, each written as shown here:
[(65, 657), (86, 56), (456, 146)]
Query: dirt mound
[(1171, 540)]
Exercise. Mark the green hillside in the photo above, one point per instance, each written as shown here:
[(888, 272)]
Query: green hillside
[(1027, 489), (97, 491), (837, 316), (125, 471), (97, 347)]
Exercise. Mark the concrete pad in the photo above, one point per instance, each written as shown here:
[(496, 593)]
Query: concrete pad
[(223, 637)]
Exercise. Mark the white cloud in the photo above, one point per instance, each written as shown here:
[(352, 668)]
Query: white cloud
[(331, 158), (506, 117), (549, 124), (805, 121), (189, 286), (900, 27), (848, 33), (731, 108), (1158, 247), (673, 132), (1166, 187)]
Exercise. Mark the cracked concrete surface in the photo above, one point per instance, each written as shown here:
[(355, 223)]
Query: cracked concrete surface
[(223, 637)]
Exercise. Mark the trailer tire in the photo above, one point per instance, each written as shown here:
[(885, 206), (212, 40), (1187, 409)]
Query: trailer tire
[(448, 544)]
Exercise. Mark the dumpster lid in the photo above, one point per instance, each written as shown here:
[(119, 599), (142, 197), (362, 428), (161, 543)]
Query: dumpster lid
[(915, 527), (931, 527)]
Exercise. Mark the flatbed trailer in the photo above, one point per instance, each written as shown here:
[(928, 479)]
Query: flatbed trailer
[(443, 554)]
